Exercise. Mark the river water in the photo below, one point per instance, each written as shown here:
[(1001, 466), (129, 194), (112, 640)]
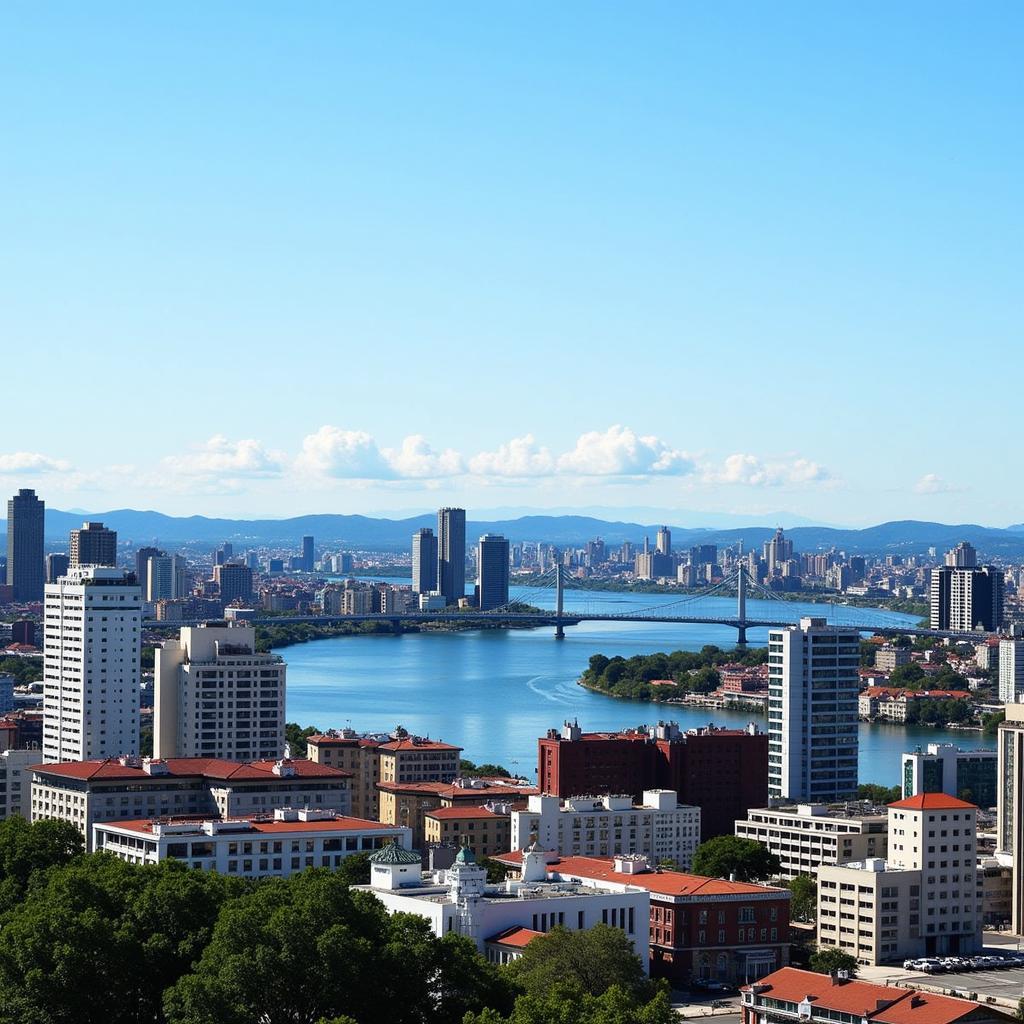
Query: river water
[(495, 691)]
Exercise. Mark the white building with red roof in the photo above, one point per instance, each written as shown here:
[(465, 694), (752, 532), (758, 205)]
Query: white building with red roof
[(278, 844), (791, 995), (924, 899), (132, 788)]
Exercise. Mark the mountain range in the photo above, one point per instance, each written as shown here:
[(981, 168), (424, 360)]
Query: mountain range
[(364, 532)]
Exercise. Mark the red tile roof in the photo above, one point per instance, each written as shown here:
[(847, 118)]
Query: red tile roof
[(448, 813), (463, 794), (933, 802), (179, 767), (863, 999), (339, 823), (517, 937), (412, 744), (662, 883)]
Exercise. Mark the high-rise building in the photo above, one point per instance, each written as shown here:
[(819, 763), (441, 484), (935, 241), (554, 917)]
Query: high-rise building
[(26, 567), (307, 554), (1011, 668), (424, 561), (235, 582), (142, 557), (56, 566), (492, 571), (967, 599), (451, 553), (91, 665), (777, 551), (663, 541), (813, 683), (943, 768), (93, 544), (215, 696), (181, 582), (159, 578), (1010, 818), (963, 556)]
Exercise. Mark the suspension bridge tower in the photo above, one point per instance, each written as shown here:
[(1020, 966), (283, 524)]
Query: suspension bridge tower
[(559, 587), (741, 606)]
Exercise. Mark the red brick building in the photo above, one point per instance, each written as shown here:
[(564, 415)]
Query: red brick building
[(722, 771), (701, 928)]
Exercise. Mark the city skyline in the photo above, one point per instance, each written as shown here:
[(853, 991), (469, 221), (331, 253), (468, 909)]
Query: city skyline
[(783, 229)]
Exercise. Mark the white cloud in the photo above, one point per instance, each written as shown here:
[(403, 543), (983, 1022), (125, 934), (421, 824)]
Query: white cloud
[(415, 459), (752, 471), (221, 457), (932, 483), (520, 457), (346, 454), (620, 452), (31, 462)]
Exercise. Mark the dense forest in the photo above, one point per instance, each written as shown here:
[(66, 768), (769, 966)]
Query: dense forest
[(689, 671)]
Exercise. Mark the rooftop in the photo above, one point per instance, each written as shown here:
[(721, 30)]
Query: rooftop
[(264, 824), (113, 768), (517, 937), (416, 743), (458, 813), (863, 999), (933, 802)]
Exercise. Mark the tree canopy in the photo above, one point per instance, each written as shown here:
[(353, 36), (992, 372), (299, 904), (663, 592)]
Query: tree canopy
[(803, 904), (746, 859), (826, 959)]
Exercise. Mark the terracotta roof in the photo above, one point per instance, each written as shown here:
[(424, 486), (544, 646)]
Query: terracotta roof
[(863, 999), (339, 823), (449, 791), (517, 937), (933, 802), (411, 744), (179, 767), (663, 883)]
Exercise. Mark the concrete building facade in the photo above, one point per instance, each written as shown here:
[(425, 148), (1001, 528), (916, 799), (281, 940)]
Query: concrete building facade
[(93, 544)]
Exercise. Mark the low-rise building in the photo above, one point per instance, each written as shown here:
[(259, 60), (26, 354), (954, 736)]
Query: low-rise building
[(806, 836), (700, 928), (408, 803), (791, 995), (16, 782), (487, 829), (355, 753), (133, 788), (924, 900), (281, 843), (460, 900), (888, 657), (659, 827), (416, 759)]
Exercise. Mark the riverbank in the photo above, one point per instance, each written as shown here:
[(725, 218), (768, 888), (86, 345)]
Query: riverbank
[(693, 700)]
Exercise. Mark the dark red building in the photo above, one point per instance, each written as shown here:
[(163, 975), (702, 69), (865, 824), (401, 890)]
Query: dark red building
[(23, 631), (724, 772)]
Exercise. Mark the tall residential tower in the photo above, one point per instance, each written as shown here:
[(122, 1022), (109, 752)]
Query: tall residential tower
[(93, 544), (424, 561), (451, 553), (492, 571), (26, 567)]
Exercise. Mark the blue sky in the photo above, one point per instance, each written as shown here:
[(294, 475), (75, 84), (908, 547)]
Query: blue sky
[(275, 259)]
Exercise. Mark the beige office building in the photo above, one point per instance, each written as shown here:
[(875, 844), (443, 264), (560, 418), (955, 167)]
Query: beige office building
[(807, 836), (353, 753)]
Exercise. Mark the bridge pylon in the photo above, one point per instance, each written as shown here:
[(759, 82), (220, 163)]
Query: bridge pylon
[(559, 628), (741, 606)]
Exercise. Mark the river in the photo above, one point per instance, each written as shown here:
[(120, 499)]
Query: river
[(495, 691)]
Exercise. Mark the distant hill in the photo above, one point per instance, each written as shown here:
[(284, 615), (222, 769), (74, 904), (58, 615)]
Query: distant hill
[(901, 537)]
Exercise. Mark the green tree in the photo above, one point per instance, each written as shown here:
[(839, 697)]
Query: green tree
[(746, 859), (490, 771), (826, 959), (294, 950), (907, 676), (990, 722), (295, 736), (613, 1006), (355, 869), (878, 794), (582, 962), (27, 848), (803, 904)]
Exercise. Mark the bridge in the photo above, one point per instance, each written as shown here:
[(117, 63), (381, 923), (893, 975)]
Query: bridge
[(689, 609)]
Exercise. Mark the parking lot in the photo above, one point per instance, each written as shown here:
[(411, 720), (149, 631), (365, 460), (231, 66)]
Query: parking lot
[(1004, 982)]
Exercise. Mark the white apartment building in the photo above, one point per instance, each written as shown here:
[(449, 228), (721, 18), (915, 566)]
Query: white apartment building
[(91, 635), (215, 696), (807, 836), (459, 899), (16, 782), (276, 844), (1011, 670), (134, 788), (1010, 820), (924, 900), (813, 682), (660, 827)]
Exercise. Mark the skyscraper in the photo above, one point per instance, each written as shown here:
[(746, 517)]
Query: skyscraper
[(451, 553), (424, 561), (235, 582), (813, 682), (56, 566), (93, 544), (1010, 821), (307, 554), (142, 557), (91, 665), (777, 551), (966, 599), (492, 571), (963, 556), (26, 568), (159, 578), (663, 541)]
